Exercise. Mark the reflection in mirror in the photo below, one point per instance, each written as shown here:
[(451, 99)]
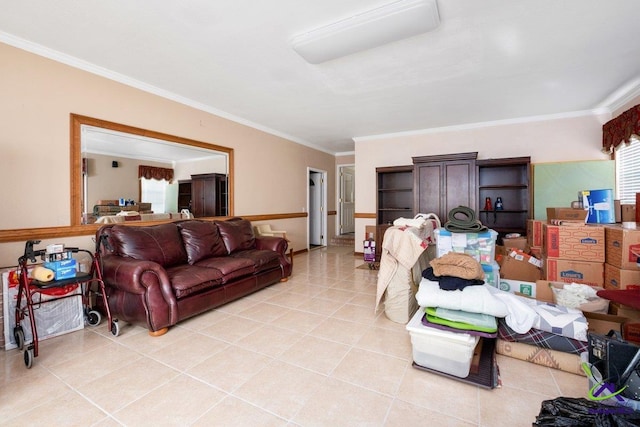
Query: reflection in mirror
[(130, 174)]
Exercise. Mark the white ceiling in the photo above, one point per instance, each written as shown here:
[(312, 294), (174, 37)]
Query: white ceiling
[(113, 143), (489, 60)]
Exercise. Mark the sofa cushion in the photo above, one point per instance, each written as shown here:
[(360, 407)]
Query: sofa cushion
[(201, 240), (158, 243), (188, 279), (230, 268), (237, 234), (261, 259)]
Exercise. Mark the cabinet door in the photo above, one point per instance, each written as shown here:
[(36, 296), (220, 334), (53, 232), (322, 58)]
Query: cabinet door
[(428, 188), (197, 202), (203, 193), (460, 186), (444, 182)]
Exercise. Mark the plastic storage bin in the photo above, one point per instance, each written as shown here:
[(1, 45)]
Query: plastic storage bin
[(447, 352), (492, 274), (481, 246)]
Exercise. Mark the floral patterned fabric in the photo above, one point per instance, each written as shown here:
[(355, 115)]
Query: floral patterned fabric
[(619, 130)]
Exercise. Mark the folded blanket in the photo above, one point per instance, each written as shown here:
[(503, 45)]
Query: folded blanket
[(450, 283), (459, 265), (520, 313), (467, 224), (474, 299), (542, 339), (565, 321)]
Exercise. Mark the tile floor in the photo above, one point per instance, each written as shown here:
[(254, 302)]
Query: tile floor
[(307, 352)]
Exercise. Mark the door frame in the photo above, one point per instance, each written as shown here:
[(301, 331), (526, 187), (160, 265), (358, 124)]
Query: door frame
[(323, 203), (339, 186)]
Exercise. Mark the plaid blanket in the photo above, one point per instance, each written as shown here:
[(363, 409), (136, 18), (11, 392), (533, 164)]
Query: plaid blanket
[(542, 339)]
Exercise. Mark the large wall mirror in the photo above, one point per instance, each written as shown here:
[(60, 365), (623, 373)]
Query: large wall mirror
[(123, 173)]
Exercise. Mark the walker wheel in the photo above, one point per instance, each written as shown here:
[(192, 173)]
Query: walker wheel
[(115, 328), (18, 335), (94, 318), (28, 357)]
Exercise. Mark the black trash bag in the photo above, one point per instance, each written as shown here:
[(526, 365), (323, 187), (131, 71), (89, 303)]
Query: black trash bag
[(580, 412)]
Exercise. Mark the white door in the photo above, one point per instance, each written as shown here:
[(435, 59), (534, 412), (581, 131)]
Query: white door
[(347, 199)]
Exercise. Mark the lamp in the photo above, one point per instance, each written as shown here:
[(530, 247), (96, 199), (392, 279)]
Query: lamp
[(375, 27)]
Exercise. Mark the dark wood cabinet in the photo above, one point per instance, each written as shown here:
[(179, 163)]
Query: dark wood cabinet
[(444, 182), (184, 194), (209, 195), (507, 179), (394, 193)]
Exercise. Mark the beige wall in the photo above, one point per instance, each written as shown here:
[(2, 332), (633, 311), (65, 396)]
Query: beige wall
[(553, 140), (38, 96), (105, 182)]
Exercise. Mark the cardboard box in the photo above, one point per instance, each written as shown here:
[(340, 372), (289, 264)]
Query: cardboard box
[(536, 251), (65, 273), (631, 331), (572, 214), (369, 250), (624, 311), (574, 242), (623, 247), (515, 243), (543, 291), (617, 278), (603, 323), (534, 232), (569, 271), (520, 269), (600, 206), (628, 213), (65, 263), (595, 305), (518, 286)]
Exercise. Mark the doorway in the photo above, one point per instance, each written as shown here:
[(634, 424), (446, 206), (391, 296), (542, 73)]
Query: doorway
[(346, 200), (317, 202)]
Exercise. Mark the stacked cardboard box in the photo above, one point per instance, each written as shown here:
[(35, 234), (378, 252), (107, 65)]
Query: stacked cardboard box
[(573, 253), (622, 260), (534, 237)]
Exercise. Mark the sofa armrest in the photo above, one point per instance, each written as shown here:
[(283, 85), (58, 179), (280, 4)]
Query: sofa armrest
[(141, 278), (280, 246), (272, 243)]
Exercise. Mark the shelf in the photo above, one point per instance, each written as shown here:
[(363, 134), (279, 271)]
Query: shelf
[(394, 190), (504, 187), (509, 179), (505, 211)]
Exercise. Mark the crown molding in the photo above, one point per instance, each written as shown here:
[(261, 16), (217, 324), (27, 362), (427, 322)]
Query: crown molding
[(80, 64), (479, 125)]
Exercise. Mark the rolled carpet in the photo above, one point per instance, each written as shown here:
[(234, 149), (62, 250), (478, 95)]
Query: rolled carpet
[(463, 220)]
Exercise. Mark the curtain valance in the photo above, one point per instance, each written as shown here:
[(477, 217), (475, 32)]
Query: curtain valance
[(621, 129), (152, 172)]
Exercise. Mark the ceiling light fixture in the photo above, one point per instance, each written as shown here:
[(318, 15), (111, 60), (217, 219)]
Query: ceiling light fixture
[(375, 27)]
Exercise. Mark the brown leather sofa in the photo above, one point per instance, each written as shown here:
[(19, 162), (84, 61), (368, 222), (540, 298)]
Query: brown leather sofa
[(159, 275)]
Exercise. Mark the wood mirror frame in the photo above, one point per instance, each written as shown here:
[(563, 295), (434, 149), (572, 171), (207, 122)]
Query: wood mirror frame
[(77, 121)]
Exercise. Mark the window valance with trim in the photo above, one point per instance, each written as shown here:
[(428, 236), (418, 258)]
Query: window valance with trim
[(621, 129), (152, 172)]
